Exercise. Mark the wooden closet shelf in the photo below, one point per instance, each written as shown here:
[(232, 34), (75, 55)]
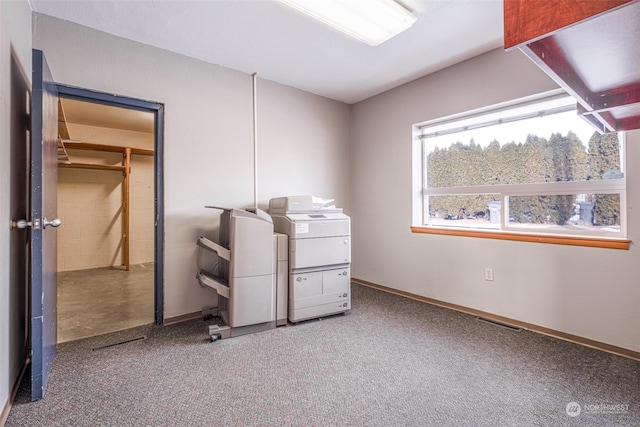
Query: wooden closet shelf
[(103, 147), (92, 166)]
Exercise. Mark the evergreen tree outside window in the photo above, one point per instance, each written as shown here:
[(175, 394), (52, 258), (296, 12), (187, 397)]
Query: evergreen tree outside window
[(533, 166)]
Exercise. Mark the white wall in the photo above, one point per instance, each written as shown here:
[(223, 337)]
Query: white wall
[(15, 38), (208, 137), (303, 145), (141, 214), (90, 207), (588, 292)]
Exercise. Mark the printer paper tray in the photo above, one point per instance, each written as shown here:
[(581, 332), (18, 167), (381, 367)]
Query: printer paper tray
[(214, 282), (213, 246)]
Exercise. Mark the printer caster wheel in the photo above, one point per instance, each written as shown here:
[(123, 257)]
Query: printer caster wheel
[(215, 337)]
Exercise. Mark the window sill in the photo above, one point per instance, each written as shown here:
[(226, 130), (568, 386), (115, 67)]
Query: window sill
[(594, 242)]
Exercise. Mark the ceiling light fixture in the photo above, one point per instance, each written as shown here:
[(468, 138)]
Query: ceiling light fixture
[(371, 21)]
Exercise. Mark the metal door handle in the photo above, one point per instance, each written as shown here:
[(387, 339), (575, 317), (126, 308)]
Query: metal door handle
[(54, 222), (21, 223), (35, 224)]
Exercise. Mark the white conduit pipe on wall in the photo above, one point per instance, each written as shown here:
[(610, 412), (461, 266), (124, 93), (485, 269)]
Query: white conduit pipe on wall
[(255, 141)]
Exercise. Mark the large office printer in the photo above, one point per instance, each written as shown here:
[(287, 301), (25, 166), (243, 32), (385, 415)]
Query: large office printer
[(245, 275), (319, 255)]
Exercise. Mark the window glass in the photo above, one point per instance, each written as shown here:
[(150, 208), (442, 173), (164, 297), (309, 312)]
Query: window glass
[(584, 213), (537, 167)]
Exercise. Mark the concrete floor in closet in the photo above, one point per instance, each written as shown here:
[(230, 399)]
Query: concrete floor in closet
[(103, 300)]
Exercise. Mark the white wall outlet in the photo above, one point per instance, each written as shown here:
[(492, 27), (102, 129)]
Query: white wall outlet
[(488, 274)]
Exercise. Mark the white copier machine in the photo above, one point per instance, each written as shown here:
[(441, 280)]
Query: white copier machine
[(247, 274), (319, 255)]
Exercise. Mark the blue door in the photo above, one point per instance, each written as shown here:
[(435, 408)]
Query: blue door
[(43, 210)]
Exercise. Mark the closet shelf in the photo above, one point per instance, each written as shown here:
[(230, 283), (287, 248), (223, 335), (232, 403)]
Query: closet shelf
[(63, 156), (91, 166), (80, 145)]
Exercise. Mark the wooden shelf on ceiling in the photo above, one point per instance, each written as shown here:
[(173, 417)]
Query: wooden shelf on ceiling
[(590, 48), (65, 162), (78, 145), (65, 142), (63, 131)]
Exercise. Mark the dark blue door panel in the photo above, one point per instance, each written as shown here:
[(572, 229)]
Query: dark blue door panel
[(44, 181)]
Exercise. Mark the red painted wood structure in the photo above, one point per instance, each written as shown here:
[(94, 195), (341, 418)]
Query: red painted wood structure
[(590, 48)]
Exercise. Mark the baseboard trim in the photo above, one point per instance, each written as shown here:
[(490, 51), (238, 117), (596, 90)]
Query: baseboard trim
[(4, 415), (619, 351), (182, 318)]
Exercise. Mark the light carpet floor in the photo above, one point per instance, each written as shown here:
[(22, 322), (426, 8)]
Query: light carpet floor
[(391, 362)]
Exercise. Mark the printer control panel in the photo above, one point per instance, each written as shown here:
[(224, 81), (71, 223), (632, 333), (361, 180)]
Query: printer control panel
[(331, 216)]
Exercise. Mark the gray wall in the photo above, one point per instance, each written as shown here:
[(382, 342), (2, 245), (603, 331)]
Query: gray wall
[(303, 138), (588, 292), (15, 39)]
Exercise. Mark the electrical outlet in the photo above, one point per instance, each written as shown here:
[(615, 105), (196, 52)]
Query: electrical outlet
[(488, 274)]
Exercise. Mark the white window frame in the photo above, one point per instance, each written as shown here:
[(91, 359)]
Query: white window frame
[(422, 131)]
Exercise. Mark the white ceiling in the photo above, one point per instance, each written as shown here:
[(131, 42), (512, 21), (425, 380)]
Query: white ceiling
[(282, 45)]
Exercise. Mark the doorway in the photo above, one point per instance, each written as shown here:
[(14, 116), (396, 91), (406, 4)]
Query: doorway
[(110, 249)]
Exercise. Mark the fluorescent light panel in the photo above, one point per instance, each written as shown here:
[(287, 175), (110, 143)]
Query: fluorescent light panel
[(371, 21)]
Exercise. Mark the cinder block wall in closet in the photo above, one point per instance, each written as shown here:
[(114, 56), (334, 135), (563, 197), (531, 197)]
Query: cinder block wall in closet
[(90, 202)]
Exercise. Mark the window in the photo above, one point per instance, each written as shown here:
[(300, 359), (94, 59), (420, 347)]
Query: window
[(530, 168)]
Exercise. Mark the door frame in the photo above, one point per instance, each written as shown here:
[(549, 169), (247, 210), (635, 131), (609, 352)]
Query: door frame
[(19, 326), (81, 94)]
